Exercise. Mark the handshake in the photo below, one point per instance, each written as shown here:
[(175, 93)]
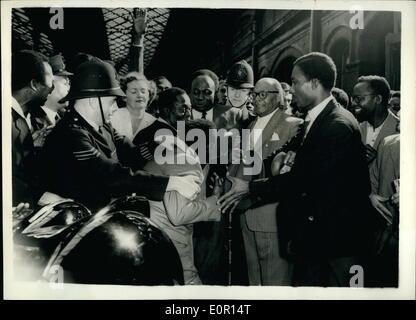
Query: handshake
[(282, 162)]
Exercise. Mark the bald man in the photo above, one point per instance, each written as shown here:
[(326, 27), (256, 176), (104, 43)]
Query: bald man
[(259, 226)]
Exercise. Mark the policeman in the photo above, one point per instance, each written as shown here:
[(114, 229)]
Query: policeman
[(85, 159)]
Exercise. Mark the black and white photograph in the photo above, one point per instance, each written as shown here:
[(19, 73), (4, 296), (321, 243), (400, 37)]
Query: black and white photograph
[(225, 149)]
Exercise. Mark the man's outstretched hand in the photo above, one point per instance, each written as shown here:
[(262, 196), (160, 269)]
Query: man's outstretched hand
[(239, 189)]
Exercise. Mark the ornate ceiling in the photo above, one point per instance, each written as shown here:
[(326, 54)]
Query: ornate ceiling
[(118, 25)]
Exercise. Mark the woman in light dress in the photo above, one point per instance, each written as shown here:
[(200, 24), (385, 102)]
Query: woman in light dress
[(133, 118)]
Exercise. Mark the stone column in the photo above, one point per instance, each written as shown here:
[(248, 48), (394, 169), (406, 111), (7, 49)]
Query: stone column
[(316, 31)]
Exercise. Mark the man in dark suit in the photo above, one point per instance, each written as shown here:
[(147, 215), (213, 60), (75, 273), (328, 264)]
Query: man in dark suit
[(324, 212), (31, 83)]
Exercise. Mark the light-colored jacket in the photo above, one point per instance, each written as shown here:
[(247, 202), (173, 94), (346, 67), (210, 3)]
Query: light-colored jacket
[(176, 214)]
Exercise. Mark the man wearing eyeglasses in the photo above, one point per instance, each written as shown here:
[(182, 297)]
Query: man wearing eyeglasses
[(258, 224), (370, 105)]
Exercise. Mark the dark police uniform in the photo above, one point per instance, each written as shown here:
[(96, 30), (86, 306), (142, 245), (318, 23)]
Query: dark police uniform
[(93, 166)]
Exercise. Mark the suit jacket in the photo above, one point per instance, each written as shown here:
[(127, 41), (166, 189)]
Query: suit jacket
[(389, 128), (324, 209), (277, 132), (23, 161)]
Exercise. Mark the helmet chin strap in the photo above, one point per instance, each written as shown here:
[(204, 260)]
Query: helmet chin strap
[(240, 106), (101, 110)]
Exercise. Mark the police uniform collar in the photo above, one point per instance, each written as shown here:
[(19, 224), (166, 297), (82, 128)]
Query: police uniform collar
[(78, 118)]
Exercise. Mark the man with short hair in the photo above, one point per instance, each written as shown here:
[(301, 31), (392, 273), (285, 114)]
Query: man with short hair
[(370, 100), (324, 217), (50, 112), (85, 159), (32, 82)]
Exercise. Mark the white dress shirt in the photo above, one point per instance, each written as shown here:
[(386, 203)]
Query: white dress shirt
[(17, 107), (198, 115), (314, 113), (50, 114), (260, 124)]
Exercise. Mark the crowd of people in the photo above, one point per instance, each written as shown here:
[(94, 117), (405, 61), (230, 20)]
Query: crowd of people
[(326, 197)]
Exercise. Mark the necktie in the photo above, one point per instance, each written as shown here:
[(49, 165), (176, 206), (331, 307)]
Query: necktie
[(305, 127), (57, 118), (204, 115)]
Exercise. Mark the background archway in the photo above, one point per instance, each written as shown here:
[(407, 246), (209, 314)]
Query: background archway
[(372, 48)]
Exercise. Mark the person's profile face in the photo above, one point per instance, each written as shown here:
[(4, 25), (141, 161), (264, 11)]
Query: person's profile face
[(202, 93), (109, 105), (288, 98), (61, 88), (302, 91)]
